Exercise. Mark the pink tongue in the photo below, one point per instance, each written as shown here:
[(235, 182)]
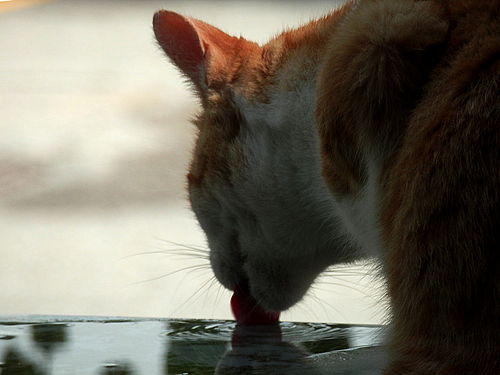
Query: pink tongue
[(247, 311)]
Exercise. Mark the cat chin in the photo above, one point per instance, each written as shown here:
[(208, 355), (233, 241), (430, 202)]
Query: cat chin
[(274, 298), (274, 285), (278, 285)]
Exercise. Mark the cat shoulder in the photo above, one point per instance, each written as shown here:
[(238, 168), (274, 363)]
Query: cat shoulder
[(378, 58)]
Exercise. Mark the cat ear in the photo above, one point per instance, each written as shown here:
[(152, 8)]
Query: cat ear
[(199, 50)]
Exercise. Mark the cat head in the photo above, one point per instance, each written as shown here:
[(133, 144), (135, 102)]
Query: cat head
[(255, 180)]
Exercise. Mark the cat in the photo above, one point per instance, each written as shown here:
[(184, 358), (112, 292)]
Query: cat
[(373, 131)]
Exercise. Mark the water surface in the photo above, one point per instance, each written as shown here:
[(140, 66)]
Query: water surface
[(100, 346)]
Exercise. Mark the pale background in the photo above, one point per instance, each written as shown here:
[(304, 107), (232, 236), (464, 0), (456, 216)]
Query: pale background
[(94, 142)]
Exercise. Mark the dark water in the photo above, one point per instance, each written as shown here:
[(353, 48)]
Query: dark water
[(49, 345)]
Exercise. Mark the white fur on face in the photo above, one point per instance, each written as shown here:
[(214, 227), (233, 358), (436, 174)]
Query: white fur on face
[(278, 226)]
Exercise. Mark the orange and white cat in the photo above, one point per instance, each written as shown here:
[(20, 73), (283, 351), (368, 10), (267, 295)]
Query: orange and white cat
[(371, 132)]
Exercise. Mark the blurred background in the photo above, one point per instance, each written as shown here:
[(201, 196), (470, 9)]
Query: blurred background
[(95, 139)]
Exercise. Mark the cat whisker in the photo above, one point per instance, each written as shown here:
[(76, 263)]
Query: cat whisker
[(219, 292), (322, 304), (349, 267), (307, 310), (184, 246), (313, 312), (347, 277), (142, 253), (213, 281), (193, 250), (347, 274), (175, 250), (348, 287), (185, 255), (205, 285), (190, 268), (186, 250)]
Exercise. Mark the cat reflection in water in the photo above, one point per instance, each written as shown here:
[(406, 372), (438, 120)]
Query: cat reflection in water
[(263, 350), (370, 132)]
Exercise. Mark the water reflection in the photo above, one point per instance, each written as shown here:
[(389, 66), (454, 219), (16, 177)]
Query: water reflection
[(177, 347), (14, 363), (262, 350), (195, 347), (49, 336), (207, 347), (117, 369)]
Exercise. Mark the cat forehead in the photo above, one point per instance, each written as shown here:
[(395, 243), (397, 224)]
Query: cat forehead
[(272, 89), (285, 62), (285, 102)]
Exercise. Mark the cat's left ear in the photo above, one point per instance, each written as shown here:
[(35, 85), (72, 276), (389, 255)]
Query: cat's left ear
[(201, 51)]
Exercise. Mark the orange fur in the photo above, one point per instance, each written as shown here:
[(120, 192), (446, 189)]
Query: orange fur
[(373, 72), (441, 208), (413, 85), (429, 106)]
